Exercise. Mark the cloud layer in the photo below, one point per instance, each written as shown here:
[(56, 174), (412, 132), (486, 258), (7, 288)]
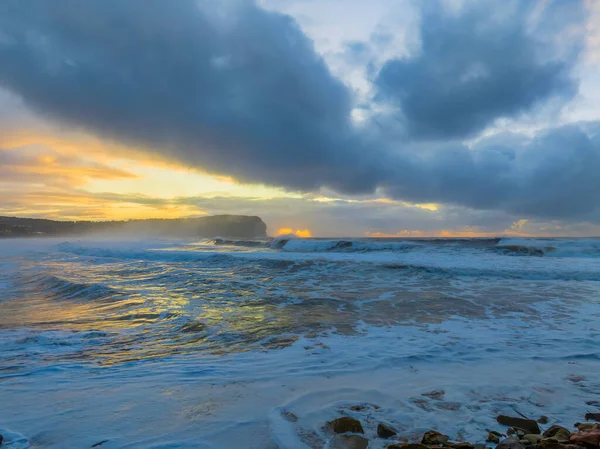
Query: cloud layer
[(240, 90)]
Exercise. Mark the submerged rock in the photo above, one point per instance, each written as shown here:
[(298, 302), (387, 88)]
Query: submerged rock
[(345, 424), (592, 416), (349, 442), (435, 394), (385, 431), (510, 443), (529, 425), (1, 438), (432, 437), (543, 419)]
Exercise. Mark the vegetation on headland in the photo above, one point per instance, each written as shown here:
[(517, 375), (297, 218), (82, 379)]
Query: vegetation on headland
[(237, 226)]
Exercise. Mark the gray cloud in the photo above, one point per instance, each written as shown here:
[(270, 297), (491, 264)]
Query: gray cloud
[(479, 65), (552, 175), (239, 90), (235, 89)]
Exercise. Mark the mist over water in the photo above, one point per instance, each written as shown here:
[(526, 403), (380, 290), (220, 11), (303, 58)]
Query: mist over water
[(183, 343)]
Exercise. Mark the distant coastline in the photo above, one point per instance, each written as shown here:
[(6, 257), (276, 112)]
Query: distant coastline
[(238, 226)]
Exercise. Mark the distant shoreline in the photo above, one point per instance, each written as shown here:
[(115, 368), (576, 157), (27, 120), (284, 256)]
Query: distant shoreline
[(236, 226)]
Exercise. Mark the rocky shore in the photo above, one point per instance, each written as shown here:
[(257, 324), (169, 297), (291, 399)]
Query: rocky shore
[(514, 432)]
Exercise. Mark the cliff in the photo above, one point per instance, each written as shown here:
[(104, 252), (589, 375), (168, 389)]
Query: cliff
[(236, 226)]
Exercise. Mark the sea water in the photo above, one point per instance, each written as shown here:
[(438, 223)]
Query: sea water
[(258, 344)]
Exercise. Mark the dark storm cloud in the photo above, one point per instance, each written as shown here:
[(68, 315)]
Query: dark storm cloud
[(224, 85), (479, 65), (232, 88), (554, 174)]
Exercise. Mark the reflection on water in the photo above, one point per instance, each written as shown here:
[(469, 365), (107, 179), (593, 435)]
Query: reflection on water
[(107, 310)]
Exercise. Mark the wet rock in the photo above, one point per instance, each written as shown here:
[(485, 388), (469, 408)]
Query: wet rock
[(385, 431), (529, 425), (592, 416), (543, 420), (532, 438), (520, 433), (550, 443), (510, 443), (575, 378), (1, 438), (407, 446), (346, 424), (558, 433), (462, 445), (588, 426), (432, 437), (586, 437), (493, 437), (481, 446), (349, 442), (435, 394), (525, 442)]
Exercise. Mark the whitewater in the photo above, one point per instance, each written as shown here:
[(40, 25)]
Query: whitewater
[(158, 343)]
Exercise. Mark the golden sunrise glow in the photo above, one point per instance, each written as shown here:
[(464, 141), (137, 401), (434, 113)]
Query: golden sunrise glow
[(304, 233)]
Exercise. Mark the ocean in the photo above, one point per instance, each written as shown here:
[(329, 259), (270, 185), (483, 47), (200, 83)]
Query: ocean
[(157, 343)]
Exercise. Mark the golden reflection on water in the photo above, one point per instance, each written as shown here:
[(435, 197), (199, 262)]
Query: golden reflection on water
[(139, 310)]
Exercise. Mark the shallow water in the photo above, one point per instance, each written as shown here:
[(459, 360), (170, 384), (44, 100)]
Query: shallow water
[(223, 344)]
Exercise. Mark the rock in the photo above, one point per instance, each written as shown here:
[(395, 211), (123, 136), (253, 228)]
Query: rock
[(481, 446), (592, 416), (346, 424), (1, 438), (529, 425), (385, 431), (510, 443), (349, 442), (432, 437), (588, 426), (532, 438), (452, 406), (407, 446), (575, 378), (462, 445), (558, 433), (587, 437), (554, 430), (435, 394), (520, 433), (525, 442), (493, 438), (362, 407), (543, 420)]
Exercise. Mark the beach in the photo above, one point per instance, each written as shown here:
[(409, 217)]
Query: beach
[(222, 343)]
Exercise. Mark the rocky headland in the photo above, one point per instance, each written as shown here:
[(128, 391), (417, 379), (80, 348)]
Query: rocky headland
[(234, 226)]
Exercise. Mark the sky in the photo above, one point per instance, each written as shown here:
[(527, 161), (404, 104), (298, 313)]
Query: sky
[(323, 117)]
